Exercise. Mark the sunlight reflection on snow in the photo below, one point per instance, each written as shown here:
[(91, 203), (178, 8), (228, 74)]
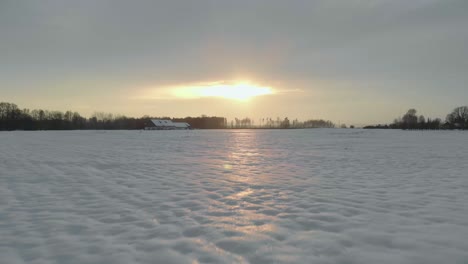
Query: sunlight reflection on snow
[(247, 196)]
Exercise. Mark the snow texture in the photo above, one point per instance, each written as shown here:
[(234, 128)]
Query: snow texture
[(246, 196)]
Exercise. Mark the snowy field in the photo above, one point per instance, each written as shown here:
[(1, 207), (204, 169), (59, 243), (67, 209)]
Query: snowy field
[(246, 196)]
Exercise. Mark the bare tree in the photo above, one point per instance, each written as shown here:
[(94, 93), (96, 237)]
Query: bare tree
[(458, 118), (410, 120)]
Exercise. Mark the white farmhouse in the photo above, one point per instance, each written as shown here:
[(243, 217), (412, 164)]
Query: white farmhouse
[(163, 124)]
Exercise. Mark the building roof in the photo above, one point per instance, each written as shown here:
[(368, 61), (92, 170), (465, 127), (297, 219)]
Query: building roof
[(180, 124), (169, 123), (162, 122)]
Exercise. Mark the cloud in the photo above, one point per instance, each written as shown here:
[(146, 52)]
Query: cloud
[(238, 90)]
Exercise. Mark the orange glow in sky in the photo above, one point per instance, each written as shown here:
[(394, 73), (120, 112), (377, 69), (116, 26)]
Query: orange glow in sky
[(241, 91)]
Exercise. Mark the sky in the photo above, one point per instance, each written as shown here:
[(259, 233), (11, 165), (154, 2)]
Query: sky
[(353, 61)]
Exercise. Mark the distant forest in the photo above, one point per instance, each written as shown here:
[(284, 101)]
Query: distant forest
[(457, 119), (14, 118), (279, 123)]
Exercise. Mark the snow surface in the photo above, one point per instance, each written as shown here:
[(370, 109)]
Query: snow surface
[(247, 196)]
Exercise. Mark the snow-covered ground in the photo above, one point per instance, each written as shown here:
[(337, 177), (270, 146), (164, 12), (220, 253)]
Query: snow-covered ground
[(247, 196)]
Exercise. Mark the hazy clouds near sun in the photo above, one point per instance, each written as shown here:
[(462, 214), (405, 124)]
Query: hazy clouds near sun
[(351, 61)]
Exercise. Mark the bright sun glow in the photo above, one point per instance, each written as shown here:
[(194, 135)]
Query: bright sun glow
[(238, 91)]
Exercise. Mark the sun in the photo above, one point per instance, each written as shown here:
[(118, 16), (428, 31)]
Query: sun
[(241, 91)]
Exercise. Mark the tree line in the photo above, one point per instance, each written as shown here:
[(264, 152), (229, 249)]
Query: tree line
[(14, 118), (457, 119), (280, 123)]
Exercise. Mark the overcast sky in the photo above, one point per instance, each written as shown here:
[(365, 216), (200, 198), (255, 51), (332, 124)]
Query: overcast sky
[(351, 61)]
